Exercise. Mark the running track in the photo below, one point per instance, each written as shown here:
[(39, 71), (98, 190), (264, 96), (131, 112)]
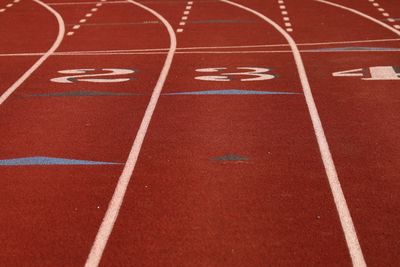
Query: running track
[(199, 133)]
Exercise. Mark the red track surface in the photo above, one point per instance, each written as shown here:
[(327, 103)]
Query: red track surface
[(189, 201)]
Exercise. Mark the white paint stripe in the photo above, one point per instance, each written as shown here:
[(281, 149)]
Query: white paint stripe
[(82, 21), (286, 18), (375, 4), (94, 9), (179, 30), (53, 48), (182, 23), (99, 4), (184, 18), (127, 51), (16, 1), (284, 12), (88, 15), (337, 192), (282, 7), (396, 26), (386, 14), (188, 7), (190, 2), (9, 5), (381, 9), (186, 12), (114, 206), (289, 29), (70, 33), (288, 24), (76, 27), (360, 14), (2, 10), (86, 3), (391, 20), (100, 53)]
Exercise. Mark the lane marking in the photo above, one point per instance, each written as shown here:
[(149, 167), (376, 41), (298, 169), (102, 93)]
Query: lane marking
[(88, 15), (285, 16), (185, 16), (349, 231), (114, 206), (9, 5), (360, 14), (124, 51), (53, 48)]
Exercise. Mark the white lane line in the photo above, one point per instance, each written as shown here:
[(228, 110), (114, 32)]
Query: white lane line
[(144, 51), (186, 12), (2, 10), (349, 231), (360, 14), (53, 48), (9, 5), (82, 21), (396, 26), (70, 33), (88, 15), (114, 206), (184, 17)]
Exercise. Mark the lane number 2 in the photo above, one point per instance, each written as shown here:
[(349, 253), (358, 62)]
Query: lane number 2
[(253, 73), (380, 73), (94, 76)]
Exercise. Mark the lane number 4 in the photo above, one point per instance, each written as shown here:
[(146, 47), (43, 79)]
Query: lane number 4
[(377, 73)]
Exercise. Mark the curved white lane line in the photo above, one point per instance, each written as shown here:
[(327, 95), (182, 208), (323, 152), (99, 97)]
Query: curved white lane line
[(330, 169), (53, 48), (361, 14), (114, 206)]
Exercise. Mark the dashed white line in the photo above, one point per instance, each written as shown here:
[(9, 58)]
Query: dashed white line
[(286, 18), (87, 15), (185, 16), (9, 5), (384, 13)]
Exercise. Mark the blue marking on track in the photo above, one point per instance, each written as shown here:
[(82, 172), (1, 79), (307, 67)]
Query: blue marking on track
[(230, 157), (232, 92), (29, 161), (357, 48), (81, 93)]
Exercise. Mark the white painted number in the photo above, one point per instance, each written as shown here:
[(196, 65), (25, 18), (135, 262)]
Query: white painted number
[(255, 73), (92, 75), (378, 73)]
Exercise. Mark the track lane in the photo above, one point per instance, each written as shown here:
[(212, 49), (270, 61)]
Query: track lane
[(57, 209), (188, 209)]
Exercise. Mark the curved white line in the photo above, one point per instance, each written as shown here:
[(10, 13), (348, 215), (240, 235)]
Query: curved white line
[(53, 48), (360, 14), (330, 169), (114, 206)]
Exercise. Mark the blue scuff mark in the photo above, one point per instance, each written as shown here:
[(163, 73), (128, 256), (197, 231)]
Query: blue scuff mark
[(30, 161), (356, 48), (81, 93), (232, 92), (230, 157)]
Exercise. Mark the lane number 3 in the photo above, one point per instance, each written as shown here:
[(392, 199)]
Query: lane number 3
[(252, 73), (94, 76)]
